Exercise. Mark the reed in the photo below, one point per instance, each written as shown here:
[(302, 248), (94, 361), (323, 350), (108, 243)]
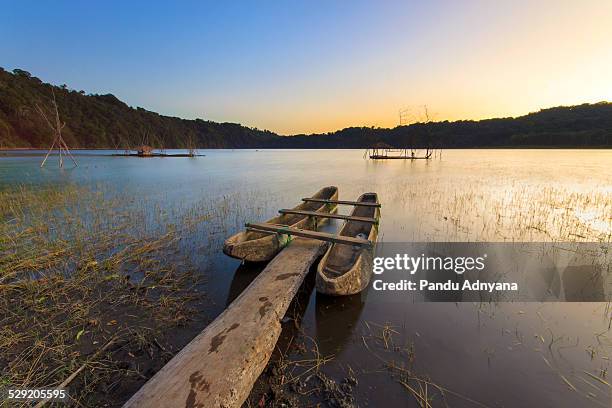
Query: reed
[(80, 268)]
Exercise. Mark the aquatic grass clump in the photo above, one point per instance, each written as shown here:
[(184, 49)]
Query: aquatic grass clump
[(92, 286), (464, 208)]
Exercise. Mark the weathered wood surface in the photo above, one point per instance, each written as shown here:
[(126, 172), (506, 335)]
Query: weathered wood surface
[(352, 266), (343, 202), (322, 236), (328, 215), (219, 367), (263, 247)]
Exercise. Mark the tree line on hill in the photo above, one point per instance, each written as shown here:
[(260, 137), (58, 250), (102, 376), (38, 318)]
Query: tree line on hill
[(103, 121)]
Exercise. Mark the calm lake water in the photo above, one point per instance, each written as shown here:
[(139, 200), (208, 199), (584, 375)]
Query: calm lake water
[(497, 355)]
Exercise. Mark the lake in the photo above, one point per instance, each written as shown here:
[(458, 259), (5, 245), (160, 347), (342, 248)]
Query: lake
[(481, 354)]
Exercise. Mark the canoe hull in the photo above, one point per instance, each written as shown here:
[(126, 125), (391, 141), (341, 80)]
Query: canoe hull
[(256, 247), (356, 277)]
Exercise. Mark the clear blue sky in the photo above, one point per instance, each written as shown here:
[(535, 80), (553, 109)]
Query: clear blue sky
[(317, 66)]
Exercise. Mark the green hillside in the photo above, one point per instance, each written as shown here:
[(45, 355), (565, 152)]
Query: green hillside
[(103, 121)]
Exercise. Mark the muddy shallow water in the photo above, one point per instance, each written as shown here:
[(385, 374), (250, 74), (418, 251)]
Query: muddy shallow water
[(520, 354)]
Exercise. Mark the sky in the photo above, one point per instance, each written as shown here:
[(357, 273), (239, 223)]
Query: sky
[(317, 66)]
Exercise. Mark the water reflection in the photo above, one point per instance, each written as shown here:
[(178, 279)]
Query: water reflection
[(469, 195), (243, 276), (583, 284), (335, 320), (544, 283)]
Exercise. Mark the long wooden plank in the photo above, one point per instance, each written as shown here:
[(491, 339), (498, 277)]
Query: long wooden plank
[(341, 202), (328, 215), (321, 236), (219, 367)]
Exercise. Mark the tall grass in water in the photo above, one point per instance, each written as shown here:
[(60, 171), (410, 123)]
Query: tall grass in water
[(448, 209), (91, 282)]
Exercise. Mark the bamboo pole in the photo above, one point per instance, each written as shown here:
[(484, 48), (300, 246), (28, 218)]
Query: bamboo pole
[(58, 139)]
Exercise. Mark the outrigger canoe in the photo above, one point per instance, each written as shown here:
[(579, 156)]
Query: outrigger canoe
[(346, 269), (253, 246)]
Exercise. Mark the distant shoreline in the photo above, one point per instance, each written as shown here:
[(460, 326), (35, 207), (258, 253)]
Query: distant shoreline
[(605, 147), (106, 120)]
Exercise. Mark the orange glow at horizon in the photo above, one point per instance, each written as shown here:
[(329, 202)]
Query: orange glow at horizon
[(320, 66), (485, 61)]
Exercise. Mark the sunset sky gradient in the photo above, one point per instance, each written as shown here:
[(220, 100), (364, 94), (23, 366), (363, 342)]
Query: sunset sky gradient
[(319, 66)]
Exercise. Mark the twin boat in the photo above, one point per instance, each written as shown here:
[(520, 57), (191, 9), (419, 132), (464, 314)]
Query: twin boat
[(346, 267)]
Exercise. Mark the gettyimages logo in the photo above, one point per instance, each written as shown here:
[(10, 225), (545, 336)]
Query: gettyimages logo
[(412, 264), (459, 265), (491, 271)]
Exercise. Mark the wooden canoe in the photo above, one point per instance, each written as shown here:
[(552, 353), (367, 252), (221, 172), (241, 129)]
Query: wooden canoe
[(253, 246), (346, 269)]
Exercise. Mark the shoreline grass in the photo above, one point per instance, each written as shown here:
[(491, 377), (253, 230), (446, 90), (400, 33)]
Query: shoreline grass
[(89, 284)]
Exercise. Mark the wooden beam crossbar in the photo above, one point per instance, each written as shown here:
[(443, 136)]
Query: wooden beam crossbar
[(341, 202), (321, 236), (329, 215)]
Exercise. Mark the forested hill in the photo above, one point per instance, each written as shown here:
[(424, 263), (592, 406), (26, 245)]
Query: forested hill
[(586, 125), (106, 122)]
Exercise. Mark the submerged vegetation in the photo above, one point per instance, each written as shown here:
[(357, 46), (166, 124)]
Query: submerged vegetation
[(459, 209), (101, 284), (91, 297)]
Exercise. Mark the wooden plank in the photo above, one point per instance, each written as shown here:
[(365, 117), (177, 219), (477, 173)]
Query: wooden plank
[(322, 236), (219, 367), (328, 215), (341, 202)]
